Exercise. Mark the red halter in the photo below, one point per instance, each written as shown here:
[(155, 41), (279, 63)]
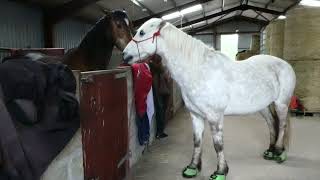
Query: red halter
[(154, 36)]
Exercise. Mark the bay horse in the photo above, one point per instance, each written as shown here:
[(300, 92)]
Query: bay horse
[(213, 85), (95, 50)]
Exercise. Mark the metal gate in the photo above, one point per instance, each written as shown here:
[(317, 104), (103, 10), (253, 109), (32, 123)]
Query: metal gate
[(104, 125)]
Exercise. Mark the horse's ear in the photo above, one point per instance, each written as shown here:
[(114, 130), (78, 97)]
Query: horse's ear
[(162, 24), (107, 12)]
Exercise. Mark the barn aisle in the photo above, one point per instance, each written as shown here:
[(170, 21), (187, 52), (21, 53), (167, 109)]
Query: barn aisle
[(246, 137)]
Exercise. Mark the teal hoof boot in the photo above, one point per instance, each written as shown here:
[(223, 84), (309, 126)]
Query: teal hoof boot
[(281, 158), (216, 176), (190, 172), (268, 155)]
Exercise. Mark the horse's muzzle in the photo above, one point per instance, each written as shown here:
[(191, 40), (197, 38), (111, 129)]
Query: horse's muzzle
[(127, 57)]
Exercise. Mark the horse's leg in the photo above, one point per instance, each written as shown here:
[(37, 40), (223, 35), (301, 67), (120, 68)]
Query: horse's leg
[(283, 135), (267, 115), (216, 126), (195, 165)]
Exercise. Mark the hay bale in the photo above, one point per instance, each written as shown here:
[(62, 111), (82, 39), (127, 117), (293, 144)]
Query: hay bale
[(245, 55), (302, 34), (277, 38), (254, 49), (308, 83), (255, 43), (267, 39)]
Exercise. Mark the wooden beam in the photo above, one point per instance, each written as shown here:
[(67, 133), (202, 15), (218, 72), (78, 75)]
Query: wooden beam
[(241, 7), (158, 15)]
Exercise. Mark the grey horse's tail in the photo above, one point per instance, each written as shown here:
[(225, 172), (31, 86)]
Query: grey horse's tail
[(287, 131)]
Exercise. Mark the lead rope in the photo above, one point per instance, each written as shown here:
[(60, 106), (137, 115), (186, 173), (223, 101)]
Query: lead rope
[(155, 36)]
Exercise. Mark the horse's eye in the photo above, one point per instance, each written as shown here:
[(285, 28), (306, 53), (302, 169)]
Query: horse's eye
[(142, 33), (118, 25)]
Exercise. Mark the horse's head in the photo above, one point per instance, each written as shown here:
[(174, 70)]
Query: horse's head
[(121, 28), (144, 43)]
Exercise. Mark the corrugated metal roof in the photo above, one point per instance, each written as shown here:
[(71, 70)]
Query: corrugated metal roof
[(136, 12)]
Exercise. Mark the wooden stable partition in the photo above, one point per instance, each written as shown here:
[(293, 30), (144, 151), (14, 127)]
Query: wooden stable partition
[(104, 124)]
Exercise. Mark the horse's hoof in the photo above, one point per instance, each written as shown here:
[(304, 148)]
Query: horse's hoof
[(216, 176), (281, 158), (268, 155), (190, 172)]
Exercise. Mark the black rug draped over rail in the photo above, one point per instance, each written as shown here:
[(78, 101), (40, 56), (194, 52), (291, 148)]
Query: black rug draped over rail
[(39, 114)]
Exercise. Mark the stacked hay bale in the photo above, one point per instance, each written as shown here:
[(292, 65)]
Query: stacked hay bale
[(266, 39), (254, 49), (255, 43), (302, 51), (276, 37)]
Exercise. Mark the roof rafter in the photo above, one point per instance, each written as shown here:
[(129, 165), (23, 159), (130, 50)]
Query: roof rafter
[(142, 20), (266, 6), (242, 7), (260, 14), (233, 18), (241, 4)]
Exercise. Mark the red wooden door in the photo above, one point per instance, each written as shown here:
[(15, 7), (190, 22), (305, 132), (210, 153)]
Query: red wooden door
[(104, 122)]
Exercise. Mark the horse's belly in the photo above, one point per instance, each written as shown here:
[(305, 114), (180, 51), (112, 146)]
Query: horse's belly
[(245, 108), (250, 100)]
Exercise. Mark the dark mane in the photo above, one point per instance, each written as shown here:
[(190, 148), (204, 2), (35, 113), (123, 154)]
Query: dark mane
[(97, 40), (121, 14)]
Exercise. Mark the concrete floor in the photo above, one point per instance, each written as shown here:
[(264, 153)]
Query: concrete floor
[(246, 137)]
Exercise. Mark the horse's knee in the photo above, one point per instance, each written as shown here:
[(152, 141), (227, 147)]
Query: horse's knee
[(218, 146), (198, 126)]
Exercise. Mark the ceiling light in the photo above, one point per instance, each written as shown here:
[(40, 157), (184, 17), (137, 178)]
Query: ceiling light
[(182, 12), (191, 9), (186, 28), (172, 15), (282, 17), (136, 2), (314, 3)]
